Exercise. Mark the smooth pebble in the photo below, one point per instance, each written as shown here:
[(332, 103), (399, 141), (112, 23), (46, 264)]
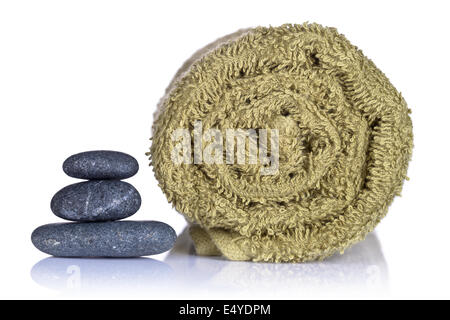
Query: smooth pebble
[(104, 239), (101, 164), (96, 200)]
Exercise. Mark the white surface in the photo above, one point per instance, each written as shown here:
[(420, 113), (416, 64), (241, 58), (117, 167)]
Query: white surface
[(83, 75)]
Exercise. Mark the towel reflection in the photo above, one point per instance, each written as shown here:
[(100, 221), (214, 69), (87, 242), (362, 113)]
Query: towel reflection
[(362, 268)]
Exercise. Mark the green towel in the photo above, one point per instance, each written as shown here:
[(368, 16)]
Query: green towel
[(333, 139)]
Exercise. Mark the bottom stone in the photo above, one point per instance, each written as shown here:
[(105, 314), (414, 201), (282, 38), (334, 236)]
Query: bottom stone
[(104, 239)]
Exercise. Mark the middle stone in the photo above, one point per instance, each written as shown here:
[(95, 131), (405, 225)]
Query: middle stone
[(97, 200)]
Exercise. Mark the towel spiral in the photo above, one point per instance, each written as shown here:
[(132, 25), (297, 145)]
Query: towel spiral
[(344, 143)]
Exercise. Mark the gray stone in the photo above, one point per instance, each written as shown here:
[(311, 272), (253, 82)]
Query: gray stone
[(96, 200), (101, 165), (104, 239)]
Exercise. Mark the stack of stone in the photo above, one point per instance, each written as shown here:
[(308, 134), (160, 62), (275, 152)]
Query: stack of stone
[(95, 206)]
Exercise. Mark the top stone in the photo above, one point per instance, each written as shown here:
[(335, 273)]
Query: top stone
[(100, 164)]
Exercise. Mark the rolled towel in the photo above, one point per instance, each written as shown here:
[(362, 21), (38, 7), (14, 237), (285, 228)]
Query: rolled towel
[(334, 140)]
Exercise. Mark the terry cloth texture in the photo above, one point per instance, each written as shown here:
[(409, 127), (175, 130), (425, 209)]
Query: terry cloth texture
[(345, 140)]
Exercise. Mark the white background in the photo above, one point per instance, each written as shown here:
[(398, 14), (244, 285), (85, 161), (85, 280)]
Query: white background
[(85, 75)]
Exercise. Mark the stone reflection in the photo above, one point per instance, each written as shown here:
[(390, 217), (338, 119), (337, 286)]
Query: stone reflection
[(72, 275)]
